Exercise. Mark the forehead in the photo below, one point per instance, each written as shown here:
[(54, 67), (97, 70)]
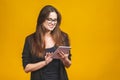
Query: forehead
[(52, 15)]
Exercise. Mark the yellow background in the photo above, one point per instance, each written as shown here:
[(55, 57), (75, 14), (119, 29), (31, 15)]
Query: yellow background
[(93, 27)]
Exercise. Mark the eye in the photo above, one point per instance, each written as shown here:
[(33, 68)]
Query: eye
[(51, 20)]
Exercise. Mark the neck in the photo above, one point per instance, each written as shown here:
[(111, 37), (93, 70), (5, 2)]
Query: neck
[(48, 33)]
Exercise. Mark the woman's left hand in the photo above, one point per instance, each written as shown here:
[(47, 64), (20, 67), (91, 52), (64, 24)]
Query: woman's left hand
[(63, 55), (64, 58)]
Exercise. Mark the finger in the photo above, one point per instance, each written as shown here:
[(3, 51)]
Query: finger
[(49, 54), (45, 57), (46, 54), (61, 53)]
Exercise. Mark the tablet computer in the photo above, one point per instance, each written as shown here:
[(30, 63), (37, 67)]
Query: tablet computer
[(64, 49)]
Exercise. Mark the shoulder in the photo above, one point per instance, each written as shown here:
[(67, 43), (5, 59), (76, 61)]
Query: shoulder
[(65, 38), (30, 36), (64, 34)]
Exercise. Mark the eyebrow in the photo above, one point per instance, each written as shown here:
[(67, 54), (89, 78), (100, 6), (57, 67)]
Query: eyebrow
[(51, 18)]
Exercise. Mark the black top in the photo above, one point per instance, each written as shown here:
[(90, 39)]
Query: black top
[(53, 71)]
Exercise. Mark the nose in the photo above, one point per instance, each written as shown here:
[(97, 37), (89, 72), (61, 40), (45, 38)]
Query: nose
[(53, 22)]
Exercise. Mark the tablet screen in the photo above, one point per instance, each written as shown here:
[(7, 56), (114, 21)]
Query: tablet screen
[(64, 49)]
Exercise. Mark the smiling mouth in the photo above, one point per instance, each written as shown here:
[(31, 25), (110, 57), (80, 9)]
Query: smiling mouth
[(51, 26)]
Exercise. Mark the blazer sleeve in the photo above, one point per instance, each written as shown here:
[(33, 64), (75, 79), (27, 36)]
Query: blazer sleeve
[(26, 54), (67, 43)]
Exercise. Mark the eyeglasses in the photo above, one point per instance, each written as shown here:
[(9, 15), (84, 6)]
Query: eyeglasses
[(51, 20)]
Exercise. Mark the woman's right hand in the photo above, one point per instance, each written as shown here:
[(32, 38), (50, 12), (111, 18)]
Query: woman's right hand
[(48, 57)]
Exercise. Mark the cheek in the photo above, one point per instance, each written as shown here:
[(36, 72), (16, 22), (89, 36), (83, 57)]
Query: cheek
[(44, 24), (55, 25)]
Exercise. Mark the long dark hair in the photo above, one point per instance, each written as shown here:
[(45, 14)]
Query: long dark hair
[(38, 42)]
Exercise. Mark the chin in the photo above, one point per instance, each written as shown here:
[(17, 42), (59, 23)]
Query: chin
[(51, 29)]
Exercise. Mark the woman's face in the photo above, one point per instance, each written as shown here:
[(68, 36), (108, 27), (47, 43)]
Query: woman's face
[(51, 21)]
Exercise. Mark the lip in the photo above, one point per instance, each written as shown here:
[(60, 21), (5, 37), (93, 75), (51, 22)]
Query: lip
[(51, 26)]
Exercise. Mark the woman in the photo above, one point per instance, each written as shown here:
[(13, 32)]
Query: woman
[(39, 47)]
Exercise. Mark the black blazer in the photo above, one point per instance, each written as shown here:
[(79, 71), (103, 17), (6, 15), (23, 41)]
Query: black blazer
[(27, 58)]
